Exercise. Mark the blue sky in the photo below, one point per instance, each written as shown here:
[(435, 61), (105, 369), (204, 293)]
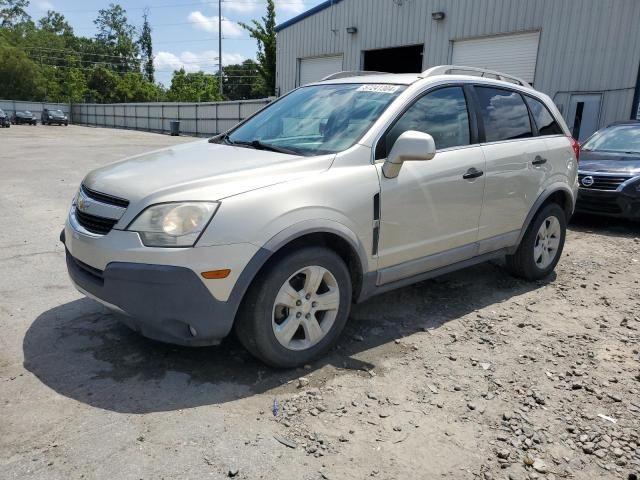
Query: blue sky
[(185, 33)]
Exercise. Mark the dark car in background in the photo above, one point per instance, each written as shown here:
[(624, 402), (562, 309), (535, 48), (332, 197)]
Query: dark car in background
[(24, 117), (4, 119), (51, 116), (609, 172)]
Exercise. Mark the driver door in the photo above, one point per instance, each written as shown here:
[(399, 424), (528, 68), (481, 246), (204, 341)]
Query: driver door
[(430, 213)]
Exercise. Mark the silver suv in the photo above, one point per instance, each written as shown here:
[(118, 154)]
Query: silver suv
[(335, 192)]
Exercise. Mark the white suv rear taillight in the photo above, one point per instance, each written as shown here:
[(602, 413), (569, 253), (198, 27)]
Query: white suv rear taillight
[(575, 145)]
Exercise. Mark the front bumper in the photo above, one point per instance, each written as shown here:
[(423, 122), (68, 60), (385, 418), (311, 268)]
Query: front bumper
[(159, 292), (617, 204)]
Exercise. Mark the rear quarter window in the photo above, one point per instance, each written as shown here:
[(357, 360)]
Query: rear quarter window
[(504, 114), (545, 121)]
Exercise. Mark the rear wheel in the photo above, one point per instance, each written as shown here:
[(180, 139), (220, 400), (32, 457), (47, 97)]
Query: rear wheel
[(296, 308), (541, 247)]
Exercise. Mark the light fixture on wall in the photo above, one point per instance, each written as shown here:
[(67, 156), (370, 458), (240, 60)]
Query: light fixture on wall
[(438, 16), (352, 30)]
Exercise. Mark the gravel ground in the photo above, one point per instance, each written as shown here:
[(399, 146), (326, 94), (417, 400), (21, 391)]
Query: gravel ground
[(475, 375)]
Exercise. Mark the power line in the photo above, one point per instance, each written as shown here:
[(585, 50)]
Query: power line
[(88, 68), (192, 4)]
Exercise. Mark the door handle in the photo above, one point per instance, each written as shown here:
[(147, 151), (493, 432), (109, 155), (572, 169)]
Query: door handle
[(472, 173), (539, 160)]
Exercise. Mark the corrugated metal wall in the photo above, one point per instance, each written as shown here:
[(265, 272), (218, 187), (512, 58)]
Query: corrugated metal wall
[(585, 45), (198, 119), (11, 106)]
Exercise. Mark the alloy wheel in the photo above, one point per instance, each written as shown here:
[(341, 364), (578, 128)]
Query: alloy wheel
[(305, 308), (547, 242)]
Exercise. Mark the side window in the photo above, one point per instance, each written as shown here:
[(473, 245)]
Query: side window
[(442, 114), (504, 114), (545, 122)]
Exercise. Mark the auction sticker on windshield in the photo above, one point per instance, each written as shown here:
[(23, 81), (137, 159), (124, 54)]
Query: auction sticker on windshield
[(378, 88)]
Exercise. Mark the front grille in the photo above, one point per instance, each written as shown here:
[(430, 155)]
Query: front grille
[(95, 224), (603, 182), (104, 198)]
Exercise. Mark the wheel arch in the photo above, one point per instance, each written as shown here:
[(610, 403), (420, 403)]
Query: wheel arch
[(560, 194), (330, 234)]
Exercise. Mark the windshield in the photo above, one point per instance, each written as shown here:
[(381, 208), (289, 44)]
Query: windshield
[(55, 112), (621, 139), (317, 119), (27, 112)]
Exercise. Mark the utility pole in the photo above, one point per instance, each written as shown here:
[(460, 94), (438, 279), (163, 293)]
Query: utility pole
[(220, 46)]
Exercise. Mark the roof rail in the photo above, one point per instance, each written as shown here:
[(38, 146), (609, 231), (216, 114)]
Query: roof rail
[(458, 69), (351, 73)]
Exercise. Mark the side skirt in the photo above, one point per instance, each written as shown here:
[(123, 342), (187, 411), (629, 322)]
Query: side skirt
[(370, 288)]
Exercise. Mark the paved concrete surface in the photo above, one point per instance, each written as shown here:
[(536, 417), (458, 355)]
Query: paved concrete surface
[(417, 388)]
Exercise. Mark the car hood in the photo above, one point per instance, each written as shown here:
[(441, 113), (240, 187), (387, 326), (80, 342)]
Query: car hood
[(200, 171), (603, 162)]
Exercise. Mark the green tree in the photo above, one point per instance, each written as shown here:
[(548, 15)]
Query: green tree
[(74, 85), (240, 81), (13, 12), (21, 77), (133, 87), (265, 34), (146, 47), (117, 34), (55, 23), (101, 84), (193, 87)]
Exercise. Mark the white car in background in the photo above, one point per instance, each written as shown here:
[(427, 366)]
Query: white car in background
[(337, 191)]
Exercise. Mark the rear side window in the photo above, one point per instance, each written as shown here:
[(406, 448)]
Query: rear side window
[(442, 114), (504, 113), (545, 122)]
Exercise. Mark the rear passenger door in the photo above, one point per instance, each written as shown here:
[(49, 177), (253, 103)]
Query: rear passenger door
[(515, 165), (560, 160)]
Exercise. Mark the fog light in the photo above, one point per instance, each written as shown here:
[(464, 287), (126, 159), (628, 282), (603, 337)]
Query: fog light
[(194, 332)]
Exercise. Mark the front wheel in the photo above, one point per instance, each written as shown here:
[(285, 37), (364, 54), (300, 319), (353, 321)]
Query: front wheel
[(296, 308), (542, 244)]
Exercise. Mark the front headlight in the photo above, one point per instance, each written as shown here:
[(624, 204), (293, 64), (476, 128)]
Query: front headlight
[(173, 224)]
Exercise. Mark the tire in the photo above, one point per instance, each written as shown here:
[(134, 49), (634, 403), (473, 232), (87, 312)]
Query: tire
[(267, 309), (530, 261)]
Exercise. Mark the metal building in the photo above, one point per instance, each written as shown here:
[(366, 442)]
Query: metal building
[(585, 54)]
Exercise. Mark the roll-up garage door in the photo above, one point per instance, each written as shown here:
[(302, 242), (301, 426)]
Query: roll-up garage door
[(514, 54), (315, 69)]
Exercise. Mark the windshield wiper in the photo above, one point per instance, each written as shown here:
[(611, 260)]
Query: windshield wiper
[(258, 145), (255, 144), (223, 137), (272, 148)]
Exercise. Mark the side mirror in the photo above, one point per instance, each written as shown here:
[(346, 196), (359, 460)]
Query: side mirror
[(410, 146)]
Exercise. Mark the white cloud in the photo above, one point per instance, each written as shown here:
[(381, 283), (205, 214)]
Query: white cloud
[(207, 61), (210, 24), (45, 5), (241, 6), (290, 6), (246, 6)]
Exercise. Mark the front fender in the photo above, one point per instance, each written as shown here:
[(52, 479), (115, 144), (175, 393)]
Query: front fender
[(306, 227)]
